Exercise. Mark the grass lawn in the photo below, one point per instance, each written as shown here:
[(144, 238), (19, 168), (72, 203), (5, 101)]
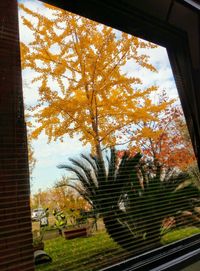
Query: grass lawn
[(179, 234), (95, 252), (84, 254)]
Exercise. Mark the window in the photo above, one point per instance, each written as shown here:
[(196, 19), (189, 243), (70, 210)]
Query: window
[(95, 84), (14, 190)]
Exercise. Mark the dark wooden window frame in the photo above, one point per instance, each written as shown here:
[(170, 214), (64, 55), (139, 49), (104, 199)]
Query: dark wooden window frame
[(15, 221)]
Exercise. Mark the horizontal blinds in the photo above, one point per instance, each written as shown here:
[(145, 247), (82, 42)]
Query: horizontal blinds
[(16, 251)]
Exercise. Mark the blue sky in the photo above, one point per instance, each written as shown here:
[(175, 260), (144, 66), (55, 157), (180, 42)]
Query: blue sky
[(50, 155)]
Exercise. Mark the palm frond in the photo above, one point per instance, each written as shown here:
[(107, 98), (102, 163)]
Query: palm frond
[(81, 176), (89, 173)]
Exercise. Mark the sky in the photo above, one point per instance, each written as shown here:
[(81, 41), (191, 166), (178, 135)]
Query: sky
[(50, 155)]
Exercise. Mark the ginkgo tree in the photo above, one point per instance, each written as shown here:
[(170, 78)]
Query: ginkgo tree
[(83, 87)]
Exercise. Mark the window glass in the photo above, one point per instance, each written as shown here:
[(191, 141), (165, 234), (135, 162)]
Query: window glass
[(113, 173)]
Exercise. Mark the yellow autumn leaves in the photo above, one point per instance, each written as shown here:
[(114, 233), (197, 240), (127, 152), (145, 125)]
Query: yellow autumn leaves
[(94, 97)]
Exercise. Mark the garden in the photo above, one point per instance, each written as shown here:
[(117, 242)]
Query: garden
[(96, 251), (153, 214)]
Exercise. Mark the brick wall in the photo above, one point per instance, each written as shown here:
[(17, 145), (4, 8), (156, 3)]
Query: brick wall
[(15, 224)]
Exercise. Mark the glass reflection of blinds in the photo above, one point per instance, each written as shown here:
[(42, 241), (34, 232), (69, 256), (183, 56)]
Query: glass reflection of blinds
[(135, 203)]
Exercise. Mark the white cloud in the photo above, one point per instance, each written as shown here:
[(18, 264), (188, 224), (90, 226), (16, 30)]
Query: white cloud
[(163, 78), (30, 91)]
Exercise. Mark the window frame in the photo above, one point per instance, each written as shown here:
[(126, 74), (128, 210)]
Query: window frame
[(130, 20)]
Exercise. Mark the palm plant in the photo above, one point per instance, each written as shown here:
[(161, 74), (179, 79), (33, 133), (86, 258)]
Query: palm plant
[(132, 198), (157, 198)]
